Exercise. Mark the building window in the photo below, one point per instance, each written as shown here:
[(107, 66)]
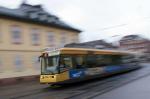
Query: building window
[(51, 39), (42, 17), (33, 15), (0, 37), (35, 36), (35, 62), (1, 66), (52, 19), (63, 39), (0, 34), (18, 62), (16, 34)]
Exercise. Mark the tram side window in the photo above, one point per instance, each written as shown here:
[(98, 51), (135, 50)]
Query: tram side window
[(91, 61), (103, 60), (79, 61), (116, 59), (65, 62), (128, 59)]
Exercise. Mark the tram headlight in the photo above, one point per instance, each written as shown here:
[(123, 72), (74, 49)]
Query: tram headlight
[(42, 77)]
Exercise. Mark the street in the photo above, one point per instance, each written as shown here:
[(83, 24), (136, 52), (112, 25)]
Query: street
[(94, 89)]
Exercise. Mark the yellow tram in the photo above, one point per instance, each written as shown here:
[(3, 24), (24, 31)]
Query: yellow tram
[(67, 65)]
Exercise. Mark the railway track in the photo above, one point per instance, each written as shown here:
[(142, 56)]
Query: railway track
[(81, 91), (110, 84)]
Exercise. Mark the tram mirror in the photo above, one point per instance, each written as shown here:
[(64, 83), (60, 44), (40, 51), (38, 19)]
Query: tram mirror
[(39, 58)]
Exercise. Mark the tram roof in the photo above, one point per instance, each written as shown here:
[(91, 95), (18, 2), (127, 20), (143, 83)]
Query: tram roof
[(90, 51)]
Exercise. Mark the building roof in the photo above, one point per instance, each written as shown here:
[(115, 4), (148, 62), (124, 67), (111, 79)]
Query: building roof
[(132, 37), (97, 44), (35, 14)]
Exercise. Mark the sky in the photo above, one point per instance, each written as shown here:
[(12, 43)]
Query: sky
[(98, 19)]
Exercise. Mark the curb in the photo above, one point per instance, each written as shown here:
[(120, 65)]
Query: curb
[(17, 80)]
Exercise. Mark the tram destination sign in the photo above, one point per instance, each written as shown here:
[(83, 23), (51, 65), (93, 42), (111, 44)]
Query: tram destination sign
[(53, 53)]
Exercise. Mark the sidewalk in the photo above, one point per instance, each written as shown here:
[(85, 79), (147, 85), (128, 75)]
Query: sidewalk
[(11, 77)]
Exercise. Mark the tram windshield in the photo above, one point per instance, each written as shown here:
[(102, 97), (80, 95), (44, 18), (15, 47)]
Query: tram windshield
[(49, 65)]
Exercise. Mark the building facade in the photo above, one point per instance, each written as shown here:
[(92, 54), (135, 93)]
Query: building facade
[(24, 32), (135, 43)]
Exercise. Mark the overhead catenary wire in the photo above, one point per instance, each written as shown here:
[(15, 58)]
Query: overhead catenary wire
[(120, 25)]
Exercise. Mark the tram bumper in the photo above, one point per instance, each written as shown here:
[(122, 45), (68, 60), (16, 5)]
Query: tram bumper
[(54, 78)]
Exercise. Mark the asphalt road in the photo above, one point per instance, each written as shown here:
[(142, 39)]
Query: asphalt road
[(107, 88)]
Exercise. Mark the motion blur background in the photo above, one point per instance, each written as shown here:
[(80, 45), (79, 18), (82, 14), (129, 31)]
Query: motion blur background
[(27, 27)]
